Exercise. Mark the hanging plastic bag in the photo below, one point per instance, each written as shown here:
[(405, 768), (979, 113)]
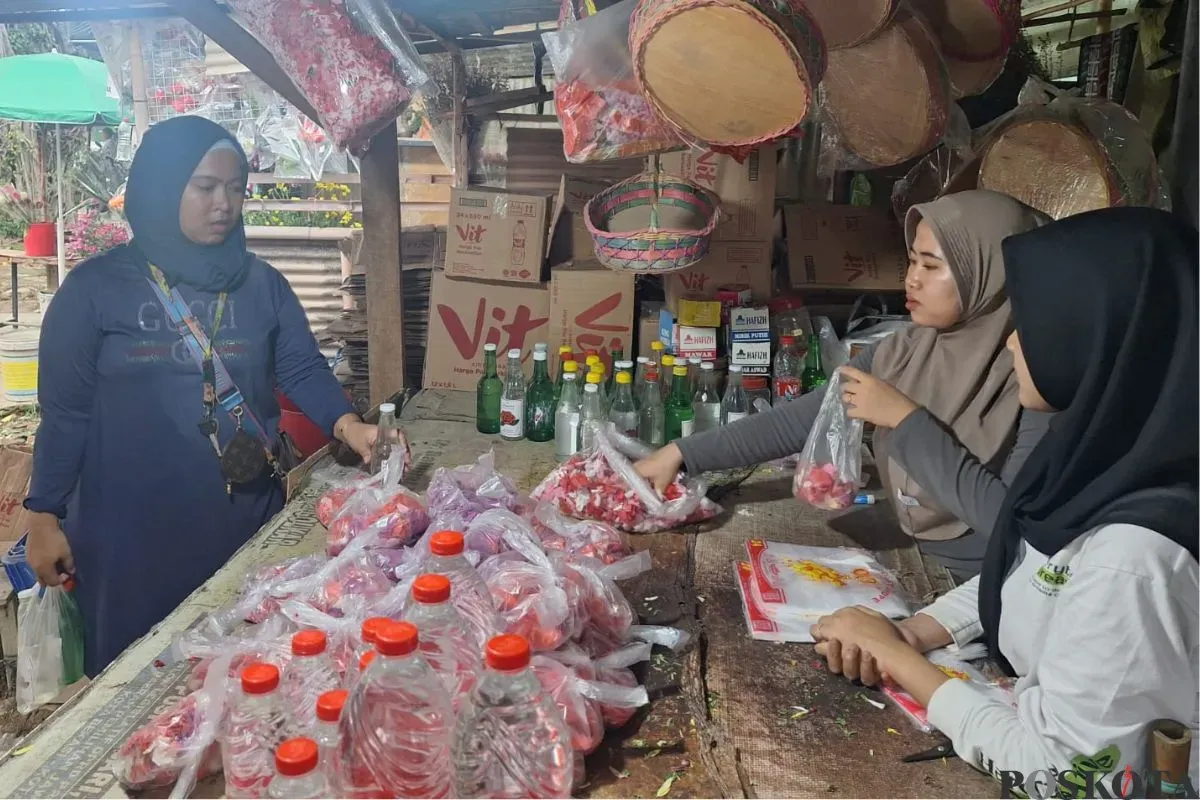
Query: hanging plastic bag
[(829, 470), (382, 505), (602, 112), (351, 60), (39, 648), (799, 583), (603, 485), (587, 538)]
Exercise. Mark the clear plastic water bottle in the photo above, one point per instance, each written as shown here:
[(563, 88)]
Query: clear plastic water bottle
[(389, 432), (446, 642), (706, 404), (591, 413), (786, 369), (396, 727), (327, 735), (623, 412), (566, 416), (735, 404), (307, 676), (468, 591), (639, 379), (298, 771), (366, 637), (694, 366), (250, 732), (510, 740), (652, 417), (512, 401)]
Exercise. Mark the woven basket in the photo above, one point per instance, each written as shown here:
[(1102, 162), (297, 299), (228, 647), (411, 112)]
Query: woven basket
[(652, 249)]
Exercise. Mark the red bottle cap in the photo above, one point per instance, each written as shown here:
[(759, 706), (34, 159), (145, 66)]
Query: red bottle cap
[(371, 626), (446, 543), (296, 757), (787, 341), (507, 652), (396, 639), (330, 704), (431, 588), (68, 585), (308, 643), (260, 678), (366, 660)]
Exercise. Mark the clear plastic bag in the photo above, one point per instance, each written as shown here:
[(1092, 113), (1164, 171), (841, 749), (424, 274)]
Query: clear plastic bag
[(484, 535), (457, 496), (351, 60), (928, 178), (614, 670), (830, 468), (40, 647), (604, 486), (604, 615), (259, 596), (588, 538), (954, 667), (383, 506), (602, 112), (798, 583), (341, 633), (343, 483), (533, 599), (583, 693)]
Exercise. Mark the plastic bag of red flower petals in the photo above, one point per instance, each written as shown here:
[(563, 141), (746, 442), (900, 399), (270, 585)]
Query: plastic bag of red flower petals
[(257, 598), (341, 633), (484, 535), (383, 506), (533, 597), (457, 496), (614, 669), (830, 468), (602, 112), (343, 483), (350, 59), (604, 615), (589, 693), (178, 747), (207, 642), (350, 587), (603, 485), (587, 538)]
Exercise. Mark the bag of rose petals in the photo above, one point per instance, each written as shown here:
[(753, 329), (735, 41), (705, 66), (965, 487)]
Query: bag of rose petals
[(830, 468), (383, 505), (589, 538), (534, 598), (603, 485), (457, 496)]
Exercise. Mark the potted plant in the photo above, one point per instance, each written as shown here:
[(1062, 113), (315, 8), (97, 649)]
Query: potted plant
[(40, 234)]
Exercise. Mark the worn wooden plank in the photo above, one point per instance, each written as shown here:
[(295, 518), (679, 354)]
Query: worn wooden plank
[(381, 254)]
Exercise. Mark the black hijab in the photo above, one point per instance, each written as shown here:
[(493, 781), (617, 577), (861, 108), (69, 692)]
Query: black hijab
[(1105, 307), (165, 160)]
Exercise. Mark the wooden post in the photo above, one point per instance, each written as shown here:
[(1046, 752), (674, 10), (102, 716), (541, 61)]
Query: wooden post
[(460, 144), (381, 253)]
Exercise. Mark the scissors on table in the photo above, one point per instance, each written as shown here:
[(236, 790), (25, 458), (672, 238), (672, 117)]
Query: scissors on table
[(943, 749)]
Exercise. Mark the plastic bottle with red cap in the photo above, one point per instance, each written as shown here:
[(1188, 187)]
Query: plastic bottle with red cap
[(524, 748), (396, 726), (307, 676), (327, 734), (298, 772), (469, 593), (253, 727), (446, 639)]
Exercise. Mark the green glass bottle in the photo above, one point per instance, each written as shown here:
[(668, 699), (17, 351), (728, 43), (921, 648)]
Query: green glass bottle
[(487, 394), (681, 419), (539, 402), (813, 375)]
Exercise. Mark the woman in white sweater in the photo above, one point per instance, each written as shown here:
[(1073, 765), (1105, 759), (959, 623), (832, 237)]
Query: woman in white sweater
[(1088, 593)]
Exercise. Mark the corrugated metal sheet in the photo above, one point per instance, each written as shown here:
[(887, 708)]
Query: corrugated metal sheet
[(311, 261), (536, 162)]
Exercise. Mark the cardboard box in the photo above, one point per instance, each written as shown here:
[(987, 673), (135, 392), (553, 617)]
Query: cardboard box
[(747, 190), (591, 309), (648, 327), (423, 247), (699, 313), (696, 342), (465, 315), (729, 263), (668, 330), (497, 235), (750, 337), (570, 239), (844, 247), (16, 465)]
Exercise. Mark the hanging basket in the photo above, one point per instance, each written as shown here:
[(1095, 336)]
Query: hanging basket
[(692, 211)]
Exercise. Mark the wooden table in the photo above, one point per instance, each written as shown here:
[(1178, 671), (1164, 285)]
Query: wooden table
[(14, 259), (722, 721)]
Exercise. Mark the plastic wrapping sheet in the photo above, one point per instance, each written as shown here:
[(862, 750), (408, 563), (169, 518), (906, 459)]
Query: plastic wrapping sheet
[(928, 178), (1065, 155), (885, 101), (351, 60), (829, 469), (603, 113)]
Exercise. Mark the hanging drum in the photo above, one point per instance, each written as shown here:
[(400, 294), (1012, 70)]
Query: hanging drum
[(846, 23), (727, 72), (888, 99), (973, 30)]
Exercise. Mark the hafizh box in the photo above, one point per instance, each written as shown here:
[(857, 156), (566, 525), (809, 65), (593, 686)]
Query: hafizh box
[(697, 342)]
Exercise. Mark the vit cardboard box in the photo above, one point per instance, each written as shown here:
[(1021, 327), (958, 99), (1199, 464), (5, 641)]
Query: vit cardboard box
[(591, 308), (747, 190), (464, 315), (727, 264), (844, 247), (497, 235)]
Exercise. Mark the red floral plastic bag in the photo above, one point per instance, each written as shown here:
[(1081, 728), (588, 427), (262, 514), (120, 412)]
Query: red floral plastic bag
[(534, 599), (830, 468), (603, 485), (349, 58), (602, 112), (604, 615), (382, 506), (587, 538)]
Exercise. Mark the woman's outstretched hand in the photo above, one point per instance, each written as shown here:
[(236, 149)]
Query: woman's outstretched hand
[(661, 467), (872, 400)]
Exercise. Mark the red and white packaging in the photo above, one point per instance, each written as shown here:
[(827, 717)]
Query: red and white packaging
[(954, 668), (758, 623)]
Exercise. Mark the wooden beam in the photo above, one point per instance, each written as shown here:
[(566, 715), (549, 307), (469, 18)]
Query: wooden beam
[(1041, 12), (459, 144), (1104, 25), (137, 72), (1105, 15), (214, 23), (379, 167)]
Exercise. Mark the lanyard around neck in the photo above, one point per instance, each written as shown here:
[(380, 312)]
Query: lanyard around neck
[(189, 318)]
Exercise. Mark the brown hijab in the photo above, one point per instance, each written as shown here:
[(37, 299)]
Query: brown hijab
[(963, 375)]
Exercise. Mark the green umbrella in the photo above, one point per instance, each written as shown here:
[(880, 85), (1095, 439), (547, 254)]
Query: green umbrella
[(57, 89)]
